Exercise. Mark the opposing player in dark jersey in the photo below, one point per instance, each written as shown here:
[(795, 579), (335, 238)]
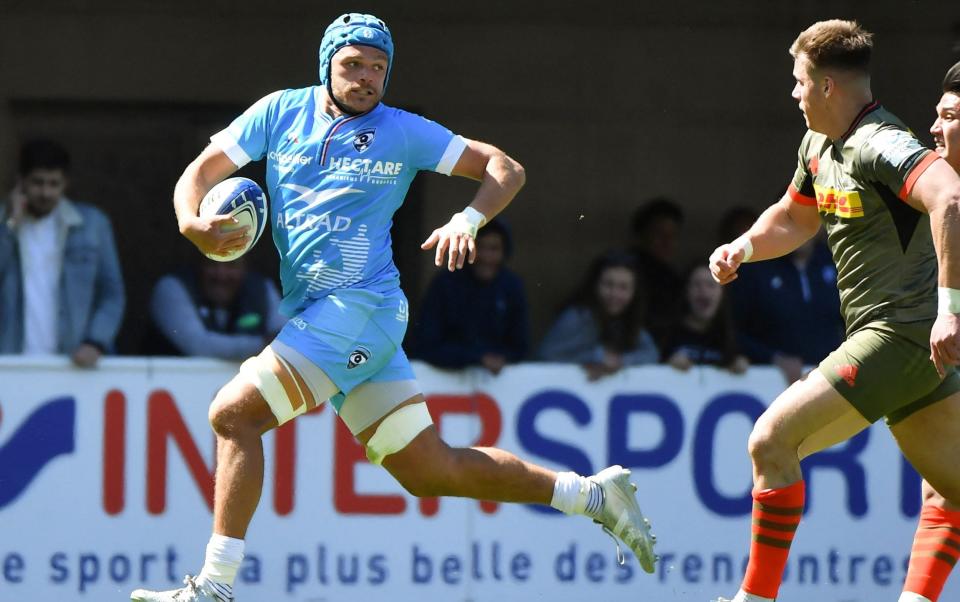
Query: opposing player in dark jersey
[(891, 209), (935, 549)]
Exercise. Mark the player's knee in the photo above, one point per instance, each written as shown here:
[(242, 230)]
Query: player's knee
[(763, 443), (226, 415), (221, 416)]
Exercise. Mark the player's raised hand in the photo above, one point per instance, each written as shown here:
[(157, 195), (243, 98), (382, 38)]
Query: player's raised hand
[(456, 240), (216, 234), (725, 261), (458, 246), (945, 342)]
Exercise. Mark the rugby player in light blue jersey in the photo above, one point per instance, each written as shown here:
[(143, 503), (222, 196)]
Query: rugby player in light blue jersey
[(339, 164)]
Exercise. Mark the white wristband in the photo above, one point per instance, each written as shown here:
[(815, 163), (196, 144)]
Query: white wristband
[(474, 217), (467, 221), (747, 247), (948, 300)]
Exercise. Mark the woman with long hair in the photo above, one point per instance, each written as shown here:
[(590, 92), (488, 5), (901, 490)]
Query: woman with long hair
[(703, 334), (602, 325)]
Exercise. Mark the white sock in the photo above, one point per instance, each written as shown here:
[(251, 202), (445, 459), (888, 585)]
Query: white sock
[(224, 555), (573, 494), (743, 596), (912, 597)]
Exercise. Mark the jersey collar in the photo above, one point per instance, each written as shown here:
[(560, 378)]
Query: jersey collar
[(868, 108)]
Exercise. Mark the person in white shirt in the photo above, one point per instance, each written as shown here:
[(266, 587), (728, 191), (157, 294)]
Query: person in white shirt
[(61, 290)]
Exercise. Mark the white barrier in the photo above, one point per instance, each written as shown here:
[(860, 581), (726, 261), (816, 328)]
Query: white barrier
[(105, 478)]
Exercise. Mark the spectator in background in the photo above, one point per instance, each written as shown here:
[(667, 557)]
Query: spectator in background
[(735, 221), (787, 310), (61, 290), (703, 334), (655, 241), (214, 309), (476, 316), (602, 327)]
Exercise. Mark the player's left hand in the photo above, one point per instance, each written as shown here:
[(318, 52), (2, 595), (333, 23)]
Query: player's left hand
[(449, 240), (945, 342)]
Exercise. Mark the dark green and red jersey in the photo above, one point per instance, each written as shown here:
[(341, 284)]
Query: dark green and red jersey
[(883, 248)]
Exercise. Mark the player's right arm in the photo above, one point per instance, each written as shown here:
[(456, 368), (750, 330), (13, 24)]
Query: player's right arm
[(779, 230), (500, 177), (244, 140), (212, 234)]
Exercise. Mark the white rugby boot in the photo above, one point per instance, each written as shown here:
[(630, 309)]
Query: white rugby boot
[(190, 592), (621, 517)]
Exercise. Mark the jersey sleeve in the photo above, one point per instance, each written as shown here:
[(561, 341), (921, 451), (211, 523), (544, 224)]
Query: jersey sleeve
[(247, 138), (801, 187), (431, 146), (896, 159)]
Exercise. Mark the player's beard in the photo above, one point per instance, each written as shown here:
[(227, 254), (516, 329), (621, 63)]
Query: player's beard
[(343, 104)]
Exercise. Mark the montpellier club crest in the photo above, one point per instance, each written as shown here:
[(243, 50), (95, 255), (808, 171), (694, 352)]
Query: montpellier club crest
[(358, 357), (364, 139)]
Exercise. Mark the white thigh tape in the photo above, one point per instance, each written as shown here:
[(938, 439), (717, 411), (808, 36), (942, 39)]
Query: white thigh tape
[(258, 372), (397, 431), (370, 402)]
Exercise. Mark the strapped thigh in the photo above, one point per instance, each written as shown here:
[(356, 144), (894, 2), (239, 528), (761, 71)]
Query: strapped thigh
[(289, 382), (397, 431), (371, 401)]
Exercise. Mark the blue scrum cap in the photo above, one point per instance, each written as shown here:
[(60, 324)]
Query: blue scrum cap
[(355, 29)]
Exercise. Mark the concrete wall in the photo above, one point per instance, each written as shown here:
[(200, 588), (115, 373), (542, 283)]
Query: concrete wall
[(605, 104)]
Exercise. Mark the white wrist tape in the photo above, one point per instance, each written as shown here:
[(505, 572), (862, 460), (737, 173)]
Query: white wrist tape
[(467, 221), (747, 247), (948, 300)]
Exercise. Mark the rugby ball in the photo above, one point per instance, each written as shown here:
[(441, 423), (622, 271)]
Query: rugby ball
[(243, 199)]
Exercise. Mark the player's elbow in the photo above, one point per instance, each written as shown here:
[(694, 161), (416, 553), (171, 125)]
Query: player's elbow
[(193, 172), (952, 198), (521, 175), (518, 175), (946, 207)]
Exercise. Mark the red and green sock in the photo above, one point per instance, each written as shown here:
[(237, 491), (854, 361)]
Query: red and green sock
[(776, 515), (936, 548)]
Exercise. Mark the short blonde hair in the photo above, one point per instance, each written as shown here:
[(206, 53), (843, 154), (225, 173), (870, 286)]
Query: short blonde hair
[(835, 44)]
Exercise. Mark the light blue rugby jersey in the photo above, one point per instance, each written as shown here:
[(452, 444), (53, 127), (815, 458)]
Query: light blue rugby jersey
[(334, 185)]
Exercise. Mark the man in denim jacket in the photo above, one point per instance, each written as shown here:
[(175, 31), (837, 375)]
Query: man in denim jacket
[(61, 290)]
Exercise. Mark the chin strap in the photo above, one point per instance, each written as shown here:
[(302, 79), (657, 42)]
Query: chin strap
[(343, 108)]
